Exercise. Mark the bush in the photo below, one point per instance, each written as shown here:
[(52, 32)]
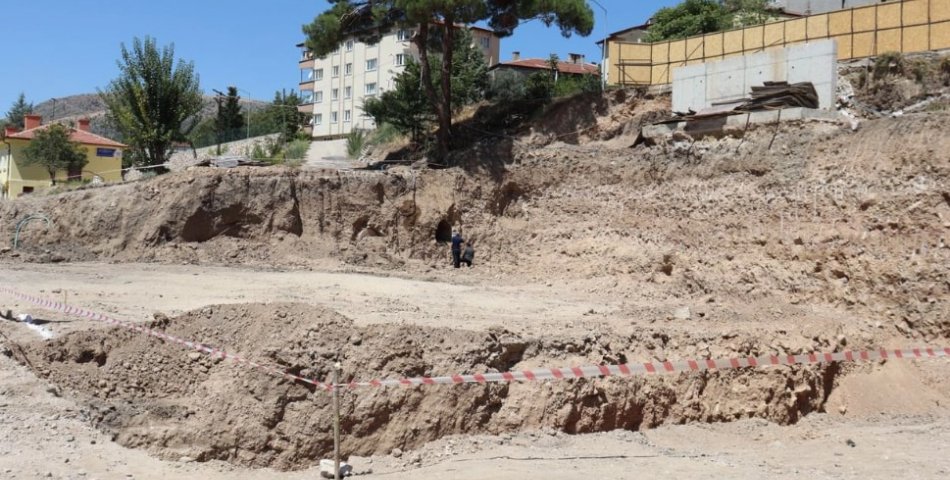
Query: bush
[(507, 86), (258, 153), (355, 142), (296, 150), (887, 63), (385, 133)]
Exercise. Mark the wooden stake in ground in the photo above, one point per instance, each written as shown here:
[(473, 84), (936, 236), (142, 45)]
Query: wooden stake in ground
[(336, 421)]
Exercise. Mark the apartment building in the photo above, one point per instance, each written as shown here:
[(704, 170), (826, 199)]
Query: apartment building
[(333, 88)]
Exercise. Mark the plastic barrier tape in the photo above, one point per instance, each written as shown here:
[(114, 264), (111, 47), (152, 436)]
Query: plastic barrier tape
[(532, 375)]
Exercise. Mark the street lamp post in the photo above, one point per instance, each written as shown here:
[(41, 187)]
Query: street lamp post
[(603, 50)]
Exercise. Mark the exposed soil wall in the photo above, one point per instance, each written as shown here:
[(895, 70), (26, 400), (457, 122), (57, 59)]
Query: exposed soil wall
[(177, 403)]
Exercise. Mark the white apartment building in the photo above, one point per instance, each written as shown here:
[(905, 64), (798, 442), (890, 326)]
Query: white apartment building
[(333, 88)]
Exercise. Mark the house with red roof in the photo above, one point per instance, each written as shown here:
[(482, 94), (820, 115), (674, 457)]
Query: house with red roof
[(575, 66), (104, 158)]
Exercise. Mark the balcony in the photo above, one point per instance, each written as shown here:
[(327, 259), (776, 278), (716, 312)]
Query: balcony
[(307, 85), (305, 108), (307, 60)]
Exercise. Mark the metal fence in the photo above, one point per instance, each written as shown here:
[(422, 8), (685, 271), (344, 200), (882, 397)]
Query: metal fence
[(908, 26)]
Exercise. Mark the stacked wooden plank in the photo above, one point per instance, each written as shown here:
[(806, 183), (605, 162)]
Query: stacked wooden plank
[(781, 95)]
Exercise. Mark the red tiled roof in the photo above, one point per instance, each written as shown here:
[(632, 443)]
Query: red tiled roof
[(76, 135), (542, 64)]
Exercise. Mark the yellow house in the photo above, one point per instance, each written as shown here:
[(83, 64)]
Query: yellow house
[(104, 155)]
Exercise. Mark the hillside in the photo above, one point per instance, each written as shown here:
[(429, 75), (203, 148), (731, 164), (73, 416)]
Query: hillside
[(90, 105)]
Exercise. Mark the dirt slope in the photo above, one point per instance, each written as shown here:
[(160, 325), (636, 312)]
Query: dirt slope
[(786, 239)]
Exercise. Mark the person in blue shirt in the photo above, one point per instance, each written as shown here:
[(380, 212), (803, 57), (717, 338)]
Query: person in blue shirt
[(457, 242)]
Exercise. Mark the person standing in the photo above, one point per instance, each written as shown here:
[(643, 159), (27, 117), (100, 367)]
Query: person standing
[(468, 254), (457, 249)]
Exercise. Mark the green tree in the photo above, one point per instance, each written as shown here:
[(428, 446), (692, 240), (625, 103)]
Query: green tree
[(20, 109), (403, 107), (408, 111), (229, 123), (52, 149), (368, 18), (284, 112), (692, 17), (154, 102)]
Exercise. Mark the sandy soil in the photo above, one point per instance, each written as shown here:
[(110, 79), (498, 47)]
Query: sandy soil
[(49, 436), (138, 290), (46, 436)]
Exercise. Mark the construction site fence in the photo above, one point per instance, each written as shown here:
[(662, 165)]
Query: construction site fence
[(908, 26)]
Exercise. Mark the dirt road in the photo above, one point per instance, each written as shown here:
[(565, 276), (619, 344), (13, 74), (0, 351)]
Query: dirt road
[(136, 291)]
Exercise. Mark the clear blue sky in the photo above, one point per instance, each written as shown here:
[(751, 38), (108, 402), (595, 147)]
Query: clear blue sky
[(55, 48)]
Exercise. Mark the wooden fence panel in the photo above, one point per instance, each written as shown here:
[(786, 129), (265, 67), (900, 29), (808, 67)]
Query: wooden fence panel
[(908, 26)]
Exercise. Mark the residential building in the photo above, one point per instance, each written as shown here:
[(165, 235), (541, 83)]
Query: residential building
[(574, 66), (333, 88), (814, 7), (104, 158)]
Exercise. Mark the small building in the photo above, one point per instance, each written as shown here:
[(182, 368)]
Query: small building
[(104, 158), (575, 66)]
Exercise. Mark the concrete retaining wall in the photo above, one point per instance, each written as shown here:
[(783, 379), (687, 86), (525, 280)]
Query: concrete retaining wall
[(699, 86)]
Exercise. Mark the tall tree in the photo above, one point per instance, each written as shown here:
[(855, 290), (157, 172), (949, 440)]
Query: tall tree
[(367, 19), (154, 102), (410, 112), (230, 121), (20, 109), (283, 112), (52, 149)]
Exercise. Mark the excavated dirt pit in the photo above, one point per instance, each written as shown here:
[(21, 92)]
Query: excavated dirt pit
[(175, 403)]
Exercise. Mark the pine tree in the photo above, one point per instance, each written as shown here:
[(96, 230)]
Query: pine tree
[(18, 111), (230, 121), (367, 19)]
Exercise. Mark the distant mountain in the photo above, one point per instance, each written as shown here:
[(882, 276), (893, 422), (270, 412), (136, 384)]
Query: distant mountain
[(74, 107)]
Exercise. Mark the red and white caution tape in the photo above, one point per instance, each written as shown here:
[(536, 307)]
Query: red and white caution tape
[(539, 374), (200, 347), (655, 368)]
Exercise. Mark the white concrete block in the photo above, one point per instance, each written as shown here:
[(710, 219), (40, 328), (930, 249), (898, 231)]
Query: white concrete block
[(815, 62)]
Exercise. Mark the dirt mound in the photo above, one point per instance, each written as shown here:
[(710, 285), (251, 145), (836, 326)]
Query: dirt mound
[(177, 403)]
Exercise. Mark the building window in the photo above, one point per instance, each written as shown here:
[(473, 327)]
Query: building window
[(400, 59), (347, 92), (346, 115), (333, 117), (306, 97), (335, 71), (485, 42), (371, 89), (335, 94), (318, 97), (318, 119), (318, 74), (403, 35), (348, 69), (306, 75), (349, 45), (371, 65)]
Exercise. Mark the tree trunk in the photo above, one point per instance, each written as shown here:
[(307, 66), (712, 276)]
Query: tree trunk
[(425, 76), (444, 135)]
